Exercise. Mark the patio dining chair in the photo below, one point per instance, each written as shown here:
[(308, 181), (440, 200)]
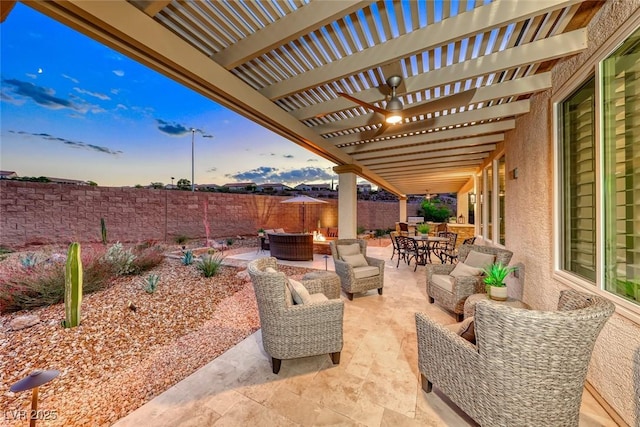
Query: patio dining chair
[(413, 251), (451, 257), (449, 246)]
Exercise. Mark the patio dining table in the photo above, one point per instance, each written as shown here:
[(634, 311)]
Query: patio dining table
[(425, 245)]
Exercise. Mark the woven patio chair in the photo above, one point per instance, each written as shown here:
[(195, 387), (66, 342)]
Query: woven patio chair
[(451, 292), (527, 368), (291, 331), (360, 278)]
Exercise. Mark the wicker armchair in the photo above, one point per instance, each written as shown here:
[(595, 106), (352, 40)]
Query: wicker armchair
[(348, 275), (456, 290), (292, 331), (528, 368)]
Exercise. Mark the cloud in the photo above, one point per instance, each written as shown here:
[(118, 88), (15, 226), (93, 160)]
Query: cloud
[(177, 129), (290, 177), (76, 81), (118, 73), (69, 143), (312, 160), (101, 96), (288, 156), (40, 95), (174, 129), (212, 169)]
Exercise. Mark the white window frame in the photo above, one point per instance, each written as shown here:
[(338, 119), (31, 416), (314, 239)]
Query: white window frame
[(494, 238), (592, 66)]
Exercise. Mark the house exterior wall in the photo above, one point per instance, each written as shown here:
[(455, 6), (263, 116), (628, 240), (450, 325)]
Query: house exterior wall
[(32, 213), (529, 225)]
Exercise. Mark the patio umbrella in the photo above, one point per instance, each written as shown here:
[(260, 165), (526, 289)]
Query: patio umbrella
[(303, 200)]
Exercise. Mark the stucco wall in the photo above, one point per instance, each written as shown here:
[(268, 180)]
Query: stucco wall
[(529, 225), (48, 213)]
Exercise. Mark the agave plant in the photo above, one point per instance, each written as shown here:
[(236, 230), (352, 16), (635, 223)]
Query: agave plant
[(187, 258), (151, 283)]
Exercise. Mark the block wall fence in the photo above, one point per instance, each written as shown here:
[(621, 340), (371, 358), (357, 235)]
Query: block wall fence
[(39, 213)]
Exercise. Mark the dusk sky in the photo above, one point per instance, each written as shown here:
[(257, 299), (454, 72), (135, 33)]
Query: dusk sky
[(73, 108)]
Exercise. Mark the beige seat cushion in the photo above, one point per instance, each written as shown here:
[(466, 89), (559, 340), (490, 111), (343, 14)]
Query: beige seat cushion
[(279, 230), (345, 250), (355, 260), (443, 281), (368, 271), (462, 269), (479, 259)]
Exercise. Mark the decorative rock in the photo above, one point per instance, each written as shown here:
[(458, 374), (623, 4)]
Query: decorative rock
[(23, 322), (243, 275)]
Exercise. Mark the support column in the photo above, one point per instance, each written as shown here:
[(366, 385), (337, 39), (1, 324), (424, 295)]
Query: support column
[(402, 202), (347, 201)]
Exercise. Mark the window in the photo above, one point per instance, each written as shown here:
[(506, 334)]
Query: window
[(621, 169), (578, 175), (599, 147), (501, 195)]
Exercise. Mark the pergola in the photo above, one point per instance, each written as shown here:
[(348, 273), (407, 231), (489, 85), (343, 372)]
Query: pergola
[(284, 63)]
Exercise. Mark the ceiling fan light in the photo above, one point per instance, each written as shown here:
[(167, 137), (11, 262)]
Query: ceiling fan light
[(393, 118), (394, 107)]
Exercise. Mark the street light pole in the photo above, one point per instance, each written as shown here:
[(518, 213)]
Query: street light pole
[(193, 184)]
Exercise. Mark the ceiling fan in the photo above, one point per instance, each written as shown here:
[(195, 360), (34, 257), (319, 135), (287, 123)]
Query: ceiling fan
[(394, 111)]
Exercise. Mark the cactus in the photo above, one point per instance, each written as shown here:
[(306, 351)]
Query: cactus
[(73, 287), (103, 231)]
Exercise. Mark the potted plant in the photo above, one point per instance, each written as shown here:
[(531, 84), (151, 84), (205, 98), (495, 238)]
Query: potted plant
[(261, 232), (494, 279), (423, 228)]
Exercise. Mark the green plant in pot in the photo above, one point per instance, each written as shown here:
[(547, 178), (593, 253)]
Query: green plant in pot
[(494, 279), (423, 228)]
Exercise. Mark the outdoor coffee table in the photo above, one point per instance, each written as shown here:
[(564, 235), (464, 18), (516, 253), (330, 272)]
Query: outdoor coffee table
[(470, 303)]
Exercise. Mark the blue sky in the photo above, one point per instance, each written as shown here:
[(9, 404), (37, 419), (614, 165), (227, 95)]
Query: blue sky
[(73, 108)]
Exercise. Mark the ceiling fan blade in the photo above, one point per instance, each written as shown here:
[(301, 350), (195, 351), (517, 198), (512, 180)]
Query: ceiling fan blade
[(382, 129), (439, 104), (363, 104), (393, 69)]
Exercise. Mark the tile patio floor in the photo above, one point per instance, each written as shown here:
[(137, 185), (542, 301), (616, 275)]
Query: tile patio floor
[(375, 384)]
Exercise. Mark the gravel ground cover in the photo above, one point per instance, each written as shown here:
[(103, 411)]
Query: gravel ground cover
[(118, 358)]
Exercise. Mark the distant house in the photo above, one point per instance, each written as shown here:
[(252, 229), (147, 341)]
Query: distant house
[(313, 187), (8, 175), (66, 181), (272, 188), (364, 188), (240, 186), (207, 187)]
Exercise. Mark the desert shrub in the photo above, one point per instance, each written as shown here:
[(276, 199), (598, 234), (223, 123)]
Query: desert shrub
[(121, 259), (230, 242), (181, 239), (146, 259), (209, 265), (43, 285)]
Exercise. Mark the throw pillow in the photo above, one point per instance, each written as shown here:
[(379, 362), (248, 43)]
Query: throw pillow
[(352, 249), (468, 330), (270, 270), (299, 292), (279, 230), (479, 259), (462, 269), (355, 260)]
